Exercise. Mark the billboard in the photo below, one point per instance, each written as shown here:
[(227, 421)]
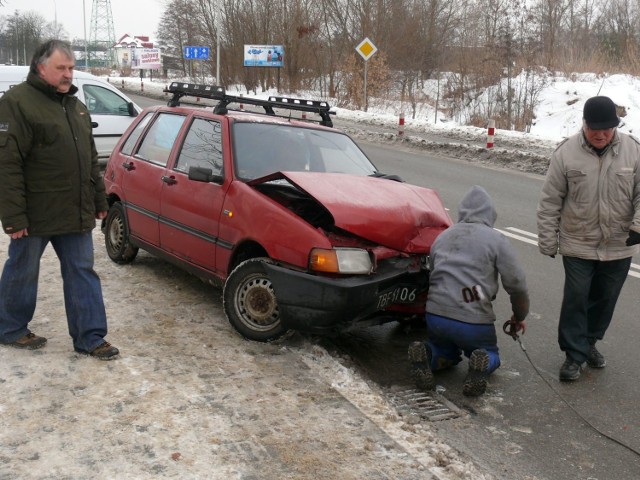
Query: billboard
[(263, 55), (146, 58)]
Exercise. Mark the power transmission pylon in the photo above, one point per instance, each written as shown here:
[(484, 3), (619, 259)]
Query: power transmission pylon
[(102, 37)]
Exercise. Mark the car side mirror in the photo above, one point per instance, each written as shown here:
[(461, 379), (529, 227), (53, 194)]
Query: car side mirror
[(132, 110), (201, 174)]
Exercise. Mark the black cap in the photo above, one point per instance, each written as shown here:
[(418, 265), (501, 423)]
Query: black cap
[(600, 113)]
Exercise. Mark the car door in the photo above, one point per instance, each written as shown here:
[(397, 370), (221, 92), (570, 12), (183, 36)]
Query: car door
[(190, 209), (146, 173), (110, 112)]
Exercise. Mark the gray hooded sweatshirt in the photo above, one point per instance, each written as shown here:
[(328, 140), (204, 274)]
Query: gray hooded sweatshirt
[(465, 262)]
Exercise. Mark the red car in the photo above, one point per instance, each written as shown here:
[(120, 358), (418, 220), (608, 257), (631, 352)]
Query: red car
[(287, 215)]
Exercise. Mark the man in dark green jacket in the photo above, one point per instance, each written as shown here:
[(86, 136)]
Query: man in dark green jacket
[(52, 193)]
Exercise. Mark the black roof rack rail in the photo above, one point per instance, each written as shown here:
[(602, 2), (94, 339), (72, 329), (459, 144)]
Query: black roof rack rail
[(212, 92)]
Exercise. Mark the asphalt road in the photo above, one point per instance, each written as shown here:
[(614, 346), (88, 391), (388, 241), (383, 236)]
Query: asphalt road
[(528, 425)]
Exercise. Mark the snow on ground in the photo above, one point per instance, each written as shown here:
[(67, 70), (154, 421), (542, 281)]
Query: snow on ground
[(558, 115), (190, 399), (560, 111)]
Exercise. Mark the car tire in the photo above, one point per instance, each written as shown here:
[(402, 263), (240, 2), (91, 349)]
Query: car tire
[(116, 236), (250, 304)]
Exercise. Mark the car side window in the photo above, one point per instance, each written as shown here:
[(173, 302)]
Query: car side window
[(103, 101), (202, 147), (158, 141), (130, 143)]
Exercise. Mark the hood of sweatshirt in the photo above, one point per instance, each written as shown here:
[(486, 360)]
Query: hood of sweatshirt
[(477, 207)]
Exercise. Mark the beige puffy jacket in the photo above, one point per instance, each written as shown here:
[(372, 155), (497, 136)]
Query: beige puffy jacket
[(589, 203)]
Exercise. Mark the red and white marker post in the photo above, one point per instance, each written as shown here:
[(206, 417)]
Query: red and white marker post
[(491, 130)]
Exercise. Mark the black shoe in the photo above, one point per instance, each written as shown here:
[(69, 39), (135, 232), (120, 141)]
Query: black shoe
[(570, 370), (420, 359), (475, 384), (104, 351), (30, 341), (595, 358)]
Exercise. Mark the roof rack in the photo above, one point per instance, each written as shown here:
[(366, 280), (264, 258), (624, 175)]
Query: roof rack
[(212, 92)]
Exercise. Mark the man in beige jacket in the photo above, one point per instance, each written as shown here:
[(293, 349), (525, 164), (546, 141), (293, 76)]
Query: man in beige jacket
[(589, 212)]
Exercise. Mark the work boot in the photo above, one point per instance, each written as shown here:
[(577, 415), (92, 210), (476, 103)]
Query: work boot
[(595, 358), (30, 341), (420, 360), (475, 384), (104, 351), (570, 370)]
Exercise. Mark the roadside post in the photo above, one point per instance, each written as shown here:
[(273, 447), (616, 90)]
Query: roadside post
[(490, 133), (366, 49)]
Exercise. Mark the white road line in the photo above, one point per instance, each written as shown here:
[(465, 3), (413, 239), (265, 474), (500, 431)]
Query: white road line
[(518, 237), (529, 236), (523, 232)]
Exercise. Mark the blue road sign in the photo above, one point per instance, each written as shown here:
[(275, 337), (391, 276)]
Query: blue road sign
[(196, 53)]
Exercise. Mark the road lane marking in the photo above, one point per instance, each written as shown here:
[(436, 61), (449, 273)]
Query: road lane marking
[(520, 237), (532, 239)]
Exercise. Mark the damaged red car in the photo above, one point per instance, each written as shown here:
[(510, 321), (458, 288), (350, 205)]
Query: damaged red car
[(287, 215)]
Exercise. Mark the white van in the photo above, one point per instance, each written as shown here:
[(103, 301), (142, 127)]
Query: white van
[(111, 110)]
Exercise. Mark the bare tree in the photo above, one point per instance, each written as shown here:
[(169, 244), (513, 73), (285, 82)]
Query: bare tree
[(490, 57), (180, 26), (21, 34)]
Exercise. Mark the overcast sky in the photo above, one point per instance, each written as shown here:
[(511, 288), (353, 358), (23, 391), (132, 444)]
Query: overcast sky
[(135, 17)]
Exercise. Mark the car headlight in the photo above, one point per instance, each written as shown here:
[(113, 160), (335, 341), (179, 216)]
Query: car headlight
[(340, 260)]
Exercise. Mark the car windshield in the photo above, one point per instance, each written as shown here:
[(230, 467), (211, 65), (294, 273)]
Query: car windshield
[(264, 148)]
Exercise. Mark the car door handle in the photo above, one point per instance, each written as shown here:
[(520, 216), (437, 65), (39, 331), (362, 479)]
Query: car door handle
[(128, 166), (169, 180)]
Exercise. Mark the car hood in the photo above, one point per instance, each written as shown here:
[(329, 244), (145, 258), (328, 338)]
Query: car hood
[(394, 214)]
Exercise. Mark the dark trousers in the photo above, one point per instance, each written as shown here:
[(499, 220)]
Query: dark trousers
[(591, 290)]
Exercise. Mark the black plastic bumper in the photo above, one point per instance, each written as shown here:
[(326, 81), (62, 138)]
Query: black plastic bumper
[(319, 304)]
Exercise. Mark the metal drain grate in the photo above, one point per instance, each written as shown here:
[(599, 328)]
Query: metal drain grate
[(424, 404)]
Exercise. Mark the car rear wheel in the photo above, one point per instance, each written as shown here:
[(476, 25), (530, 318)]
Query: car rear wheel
[(250, 302), (116, 236)]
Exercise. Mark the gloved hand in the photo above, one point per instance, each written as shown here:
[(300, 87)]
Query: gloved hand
[(633, 239)]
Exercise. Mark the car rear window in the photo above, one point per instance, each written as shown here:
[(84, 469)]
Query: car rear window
[(158, 141), (130, 143)]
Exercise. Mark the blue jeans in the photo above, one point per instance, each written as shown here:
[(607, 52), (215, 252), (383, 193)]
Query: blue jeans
[(591, 290), (449, 338), (83, 301)]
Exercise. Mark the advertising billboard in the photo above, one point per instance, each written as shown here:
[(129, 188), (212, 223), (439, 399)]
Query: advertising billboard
[(263, 55), (146, 58)]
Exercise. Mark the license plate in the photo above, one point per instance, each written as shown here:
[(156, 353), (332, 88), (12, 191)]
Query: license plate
[(402, 294)]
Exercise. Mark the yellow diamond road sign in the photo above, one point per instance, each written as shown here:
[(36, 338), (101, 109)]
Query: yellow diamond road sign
[(366, 49)]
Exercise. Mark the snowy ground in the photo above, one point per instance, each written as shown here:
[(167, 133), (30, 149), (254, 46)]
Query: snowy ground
[(190, 399), (558, 115)]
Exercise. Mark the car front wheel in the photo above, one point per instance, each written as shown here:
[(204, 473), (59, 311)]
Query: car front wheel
[(116, 236), (250, 302)]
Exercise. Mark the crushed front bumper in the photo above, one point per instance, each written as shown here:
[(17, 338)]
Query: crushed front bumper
[(321, 304)]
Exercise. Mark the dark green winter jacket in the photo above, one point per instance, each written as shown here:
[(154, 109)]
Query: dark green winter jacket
[(51, 180)]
